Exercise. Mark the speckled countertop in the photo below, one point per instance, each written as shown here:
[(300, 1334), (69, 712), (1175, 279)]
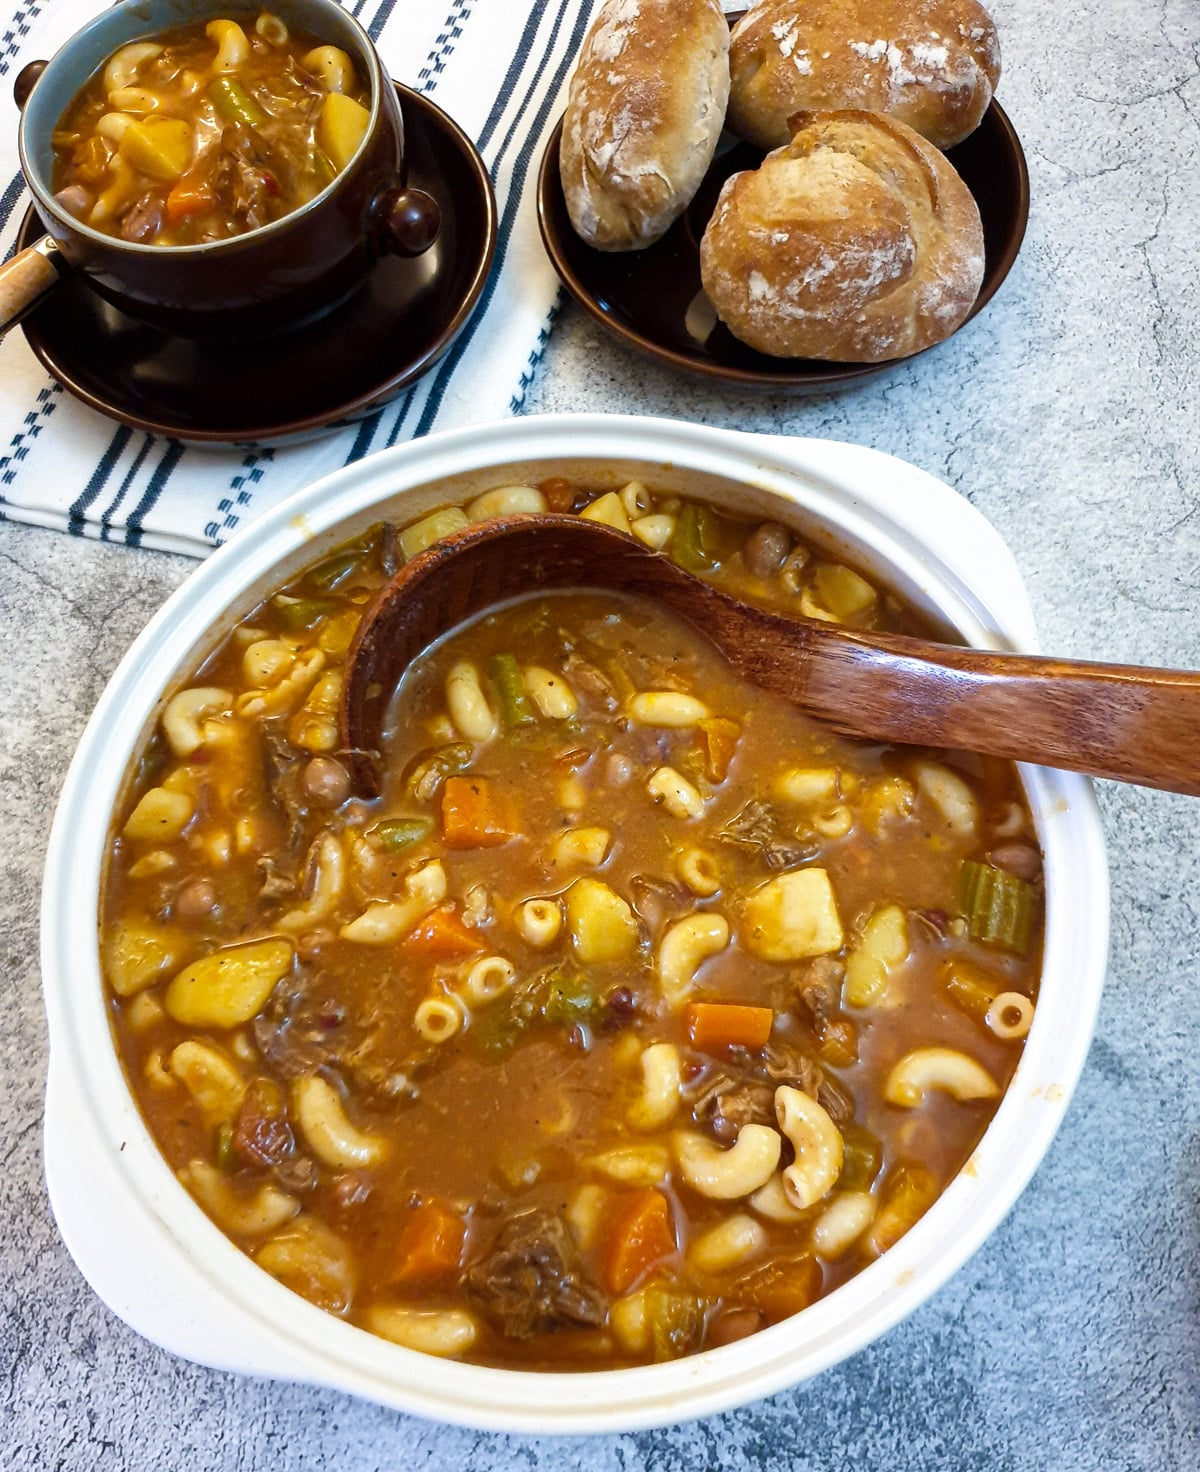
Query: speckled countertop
[(1068, 414)]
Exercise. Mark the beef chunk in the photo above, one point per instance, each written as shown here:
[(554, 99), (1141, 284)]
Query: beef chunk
[(285, 778), (759, 828), (245, 178), (145, 217), (530, 1281), (261, 1133), (787, 1065), (594, 683), (275, 884), (729, 1103), (819, 988)]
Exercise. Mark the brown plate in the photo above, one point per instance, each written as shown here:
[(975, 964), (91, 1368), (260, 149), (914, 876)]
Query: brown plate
[(653, 301), (294, 385)]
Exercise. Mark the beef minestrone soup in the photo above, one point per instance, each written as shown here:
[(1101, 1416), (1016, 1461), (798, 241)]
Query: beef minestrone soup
[(636, 1013), (207, 131)]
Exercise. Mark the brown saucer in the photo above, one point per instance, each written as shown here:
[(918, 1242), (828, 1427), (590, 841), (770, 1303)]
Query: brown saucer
[(294, 385), (653, 301)]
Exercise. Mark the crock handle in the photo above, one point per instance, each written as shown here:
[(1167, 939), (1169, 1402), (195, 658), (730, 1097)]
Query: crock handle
[(406, 221), (27, 278), (25, 79)]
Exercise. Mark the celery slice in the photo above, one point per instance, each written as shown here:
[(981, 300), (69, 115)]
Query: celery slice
[(999, 907)]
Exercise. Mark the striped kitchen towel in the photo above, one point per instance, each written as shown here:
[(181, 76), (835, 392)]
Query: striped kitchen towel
[(499, 69)]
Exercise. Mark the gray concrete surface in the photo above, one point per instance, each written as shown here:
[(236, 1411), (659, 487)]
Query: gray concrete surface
[(1068, 414)]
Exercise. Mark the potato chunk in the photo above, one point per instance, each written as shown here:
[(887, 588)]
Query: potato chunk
[(230, 986), (600, 922), (137, 954), (793, 916), (342, 127), (158, 146)]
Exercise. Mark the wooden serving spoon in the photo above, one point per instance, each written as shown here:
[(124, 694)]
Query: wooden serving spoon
[(1118, 721)]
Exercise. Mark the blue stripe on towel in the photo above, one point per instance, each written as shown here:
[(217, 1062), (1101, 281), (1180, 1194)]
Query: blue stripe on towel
[(382, 16), (18, 29), (135, 525), (452, 28), (106, 517), (520, 170), (504, 95), (98, 480), (451, 31)]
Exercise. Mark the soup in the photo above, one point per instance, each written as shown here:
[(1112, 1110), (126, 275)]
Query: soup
[(207, 131), (636, 1013)]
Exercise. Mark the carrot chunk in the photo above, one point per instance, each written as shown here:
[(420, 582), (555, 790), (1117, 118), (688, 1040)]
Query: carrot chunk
[(641, 1234), (188, 196), (441, 936), (712, 1025), (474, 814), (430, 1245), (719, 738)]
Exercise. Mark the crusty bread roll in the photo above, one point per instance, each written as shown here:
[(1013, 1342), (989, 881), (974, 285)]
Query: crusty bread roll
[(644, 112), (933, 64), (856, 242)]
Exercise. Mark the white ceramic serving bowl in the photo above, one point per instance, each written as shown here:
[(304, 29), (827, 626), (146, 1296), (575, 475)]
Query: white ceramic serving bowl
[(150, 1252)]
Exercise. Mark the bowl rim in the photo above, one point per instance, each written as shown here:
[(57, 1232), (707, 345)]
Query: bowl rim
[(280, 1334), (115, 19)]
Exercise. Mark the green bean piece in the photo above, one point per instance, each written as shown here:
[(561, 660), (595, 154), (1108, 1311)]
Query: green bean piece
[(694, 542), (675, 1320), (319, 170), (515, 709), (499, 1029), (300, 614), (862, 1155), (998, 906), (234, 103), (569, 999), (329, 574), (395, 834), (225, 1160)]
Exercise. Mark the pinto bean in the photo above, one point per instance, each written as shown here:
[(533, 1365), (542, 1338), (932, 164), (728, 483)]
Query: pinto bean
[(195, 900), (765, 548), (1021, 859), (326, 782)]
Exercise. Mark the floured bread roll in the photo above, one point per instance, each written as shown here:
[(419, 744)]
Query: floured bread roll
[(933, 64), (856, 242), (644, 112)]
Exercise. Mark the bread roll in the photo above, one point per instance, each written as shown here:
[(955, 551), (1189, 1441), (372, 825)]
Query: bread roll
[(856, 242), (933, 64), (644, 111)]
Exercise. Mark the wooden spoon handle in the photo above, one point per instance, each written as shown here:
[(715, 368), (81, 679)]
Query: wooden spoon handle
[(26, 279), (1116, 721)]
